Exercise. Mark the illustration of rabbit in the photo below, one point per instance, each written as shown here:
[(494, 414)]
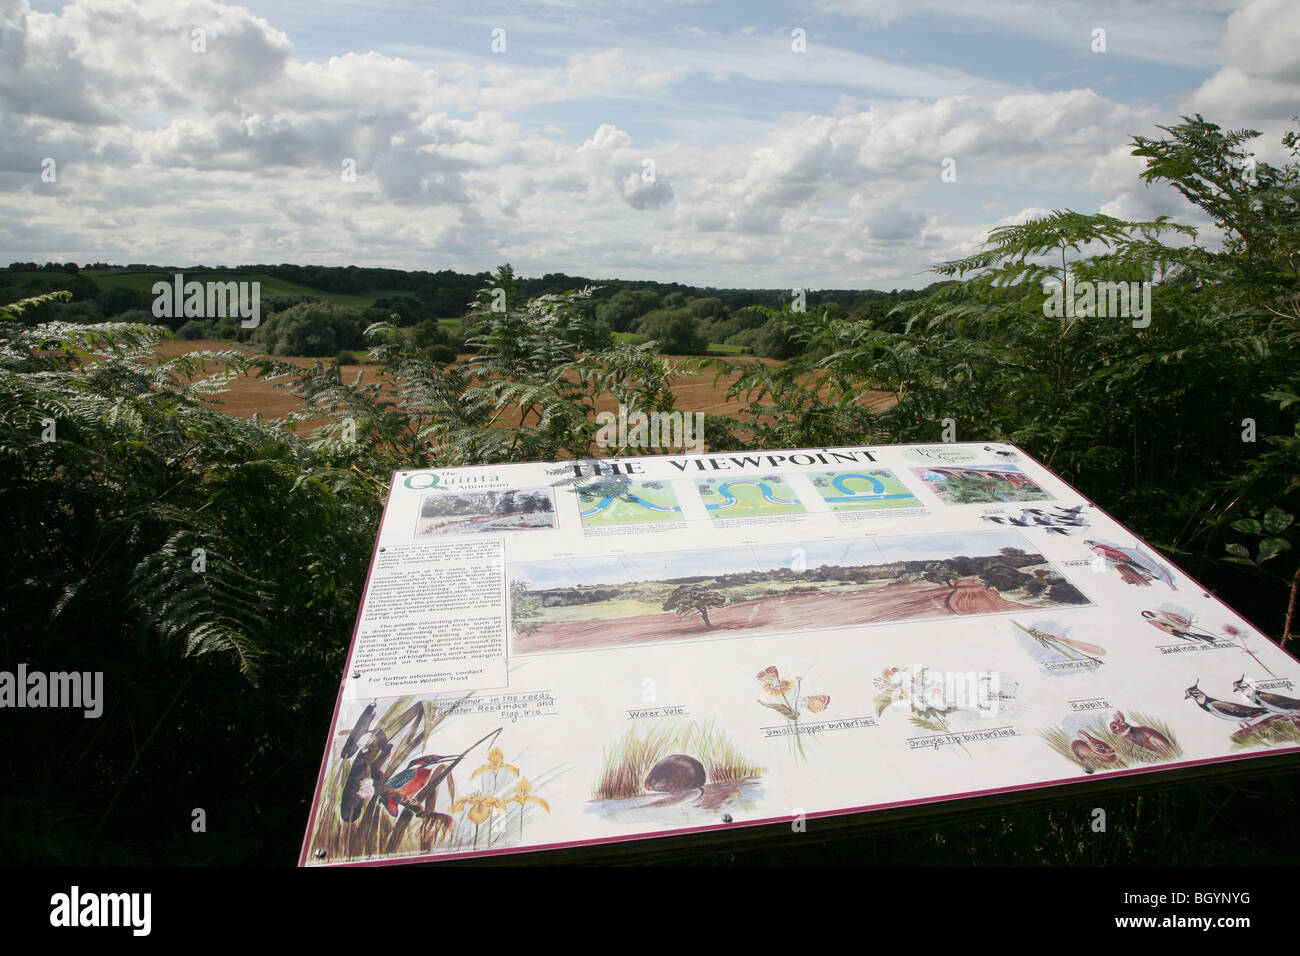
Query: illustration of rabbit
[(1143, 737), (1091, 750)]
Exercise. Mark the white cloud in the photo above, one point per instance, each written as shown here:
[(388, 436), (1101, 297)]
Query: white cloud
[(1183, 32), (234, 155), (1258, 83)]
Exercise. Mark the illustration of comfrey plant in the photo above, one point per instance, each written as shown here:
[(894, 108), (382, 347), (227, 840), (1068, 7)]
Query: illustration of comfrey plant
[(790, 707)]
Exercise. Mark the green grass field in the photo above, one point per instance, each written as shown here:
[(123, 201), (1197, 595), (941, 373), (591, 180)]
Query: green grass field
[(144, 281), (715, 348), (599, 610)]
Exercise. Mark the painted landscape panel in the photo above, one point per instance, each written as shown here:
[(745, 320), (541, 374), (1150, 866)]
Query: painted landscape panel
[(634, 599)]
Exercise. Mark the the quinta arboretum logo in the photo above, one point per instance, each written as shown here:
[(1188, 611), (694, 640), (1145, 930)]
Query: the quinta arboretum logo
[(208, 300), (433, 481)]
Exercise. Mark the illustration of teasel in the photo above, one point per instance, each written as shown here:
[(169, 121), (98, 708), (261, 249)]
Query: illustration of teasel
[(791, 705)]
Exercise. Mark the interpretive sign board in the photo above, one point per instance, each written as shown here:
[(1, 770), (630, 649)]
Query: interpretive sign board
[(571, 653)]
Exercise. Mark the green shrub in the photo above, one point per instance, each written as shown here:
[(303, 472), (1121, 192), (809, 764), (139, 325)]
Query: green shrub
[(311, 329), (676, 330), (138, 317), (429, 332), (197, 329), (442, 354)]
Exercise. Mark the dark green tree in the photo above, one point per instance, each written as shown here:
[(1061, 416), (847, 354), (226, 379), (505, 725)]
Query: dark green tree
[(694, 599)]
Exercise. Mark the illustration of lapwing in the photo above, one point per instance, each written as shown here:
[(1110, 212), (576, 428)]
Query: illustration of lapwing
[(1243, 714), (1274, 703)]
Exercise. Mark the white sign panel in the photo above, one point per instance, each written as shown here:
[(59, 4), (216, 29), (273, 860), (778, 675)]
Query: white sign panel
[(560, 654)]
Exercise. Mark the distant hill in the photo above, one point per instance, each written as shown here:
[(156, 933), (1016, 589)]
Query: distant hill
[(446, 293), (683, 320)]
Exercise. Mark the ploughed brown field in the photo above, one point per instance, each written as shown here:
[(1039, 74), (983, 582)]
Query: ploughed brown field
[(251, 395), (785, 612)]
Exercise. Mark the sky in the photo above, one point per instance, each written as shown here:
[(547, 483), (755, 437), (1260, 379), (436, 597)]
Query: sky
[(627, 568), (737, 144)]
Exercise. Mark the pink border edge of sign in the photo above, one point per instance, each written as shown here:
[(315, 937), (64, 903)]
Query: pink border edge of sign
[(822, 814)]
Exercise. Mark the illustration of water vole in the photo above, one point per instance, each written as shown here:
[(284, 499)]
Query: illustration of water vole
[(676, 773)]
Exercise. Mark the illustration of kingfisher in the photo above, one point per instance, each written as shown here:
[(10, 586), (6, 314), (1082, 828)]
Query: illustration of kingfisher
[(1274, 703), (1225, 709), (402, 788), (401, 793)]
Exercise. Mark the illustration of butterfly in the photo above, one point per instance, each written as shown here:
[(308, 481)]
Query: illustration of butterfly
[(772, 683), (818, 703)]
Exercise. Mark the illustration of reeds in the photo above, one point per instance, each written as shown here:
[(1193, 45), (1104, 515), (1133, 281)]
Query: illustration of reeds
[(624, 766), (372, 833), (1266, 733), (376, 833)]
